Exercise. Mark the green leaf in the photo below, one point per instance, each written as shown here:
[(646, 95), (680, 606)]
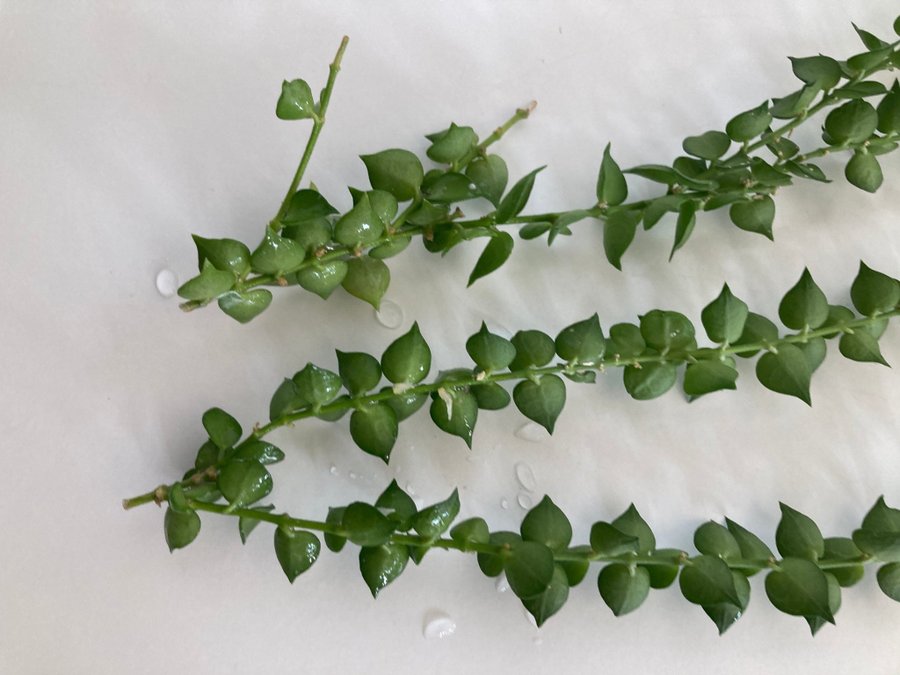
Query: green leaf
[(407, 359), (754, 215), (843, 548), (365, 525), (864, 171), (804, 305), (490, 176), (284, 400), (397, 171), (724, 318), (360, 372), (493, 256), (889, 580), (380, 565), (873, 292), (244, 482), (316, 386), (667, 331), (705, 377), (296, 101), (798, 536), (871, 42), (861, 346), (623, 588), (582, 342), (658, 173), (551, 600), (227, 255), (471, 531), (296, 550), (322, 279), (209, 284), (725, 615), (657, 208), (405, 404), (432, 521), (374, 429), (534, 230), (631, 523), (706, 580), (575, 570), (784, 148), (611, 186), (207, 455), (710, 145), (889, 111), (335, 542), (491, 396), (258, 451), (455, 412), (541, 400), (516, 199), (820, 70), (360, 226), (529, 568), (451, 145), (310, 235), (397, 245), (401, 506), (367, 278), (276, 255), (664, 575), (618, 233), (684, 226), (757, 330), (245, 306), (491, 564), (306, 206), (785, 372), (625, 341), (799, 588), (649, 380), (750, 124), (834, 604), (547, 525), (851, 123), (794, 104), (247, 525), (752, 547), (808, 170), (224, 431), (714, 539), (608, 540), (880, 532), (180, 527), (533, 349)]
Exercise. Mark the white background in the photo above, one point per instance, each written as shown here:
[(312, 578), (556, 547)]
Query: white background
[(124, 127)]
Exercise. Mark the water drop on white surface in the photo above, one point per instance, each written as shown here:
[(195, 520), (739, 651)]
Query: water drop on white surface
[(352, 475), (410, 490), (525, 500), (390, 314), (167, 283), (504, 503), (502, 585), (538, 641), (525, 476), (333, 470), (531, 432), (437, 626)]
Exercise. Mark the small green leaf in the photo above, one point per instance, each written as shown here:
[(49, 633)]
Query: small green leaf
[(880, 532), (725, 615), (407, 359), (664, 575), (432, 521), (227, 255), (889, 580), (667, 331), (397, 245), (724, 318), (608, 540), (490, 352), (244, 306), (244, 482), (632, 524), (799, 588), (374, 429), (757, 330), (861, 346), (258, 451), (625, 341), (471, 531), (752, 547), (684, 226), (575, 570), (446, 188), (367, 278), (754, 215), (533, 349), (658, 173), (365, 525), (611, 186), (207, 455), (296, 101), (808, 170), (405, 404), (873, 292), (794, 104), (491, 564), (455, 412), (798, 536), (322, 279), (534, 230), (276, 255), (547, 525), (785, 372), (307, 206), (804, 305), (209, 284), (551, 600), (489, 174), (889, 111), (335, 542), (864, 171), (310, 235), (750, 124), (247, 525), (706, 580), (284, 400), (360, 372), (710, 145), (871, 42), (517, 197), (497, 251), (180, 527), (296, 550), (705, 377), (361, 225), (529, 568), (582, 342), (843, 548), (650, 380), (491, 396), (714, 539), (401, 506), (823, 71), (623, 588), (397, 171), (316, 386), (851, 123), (618, 233), (380, 565), (452, 144), (541, 400), (222, 428)]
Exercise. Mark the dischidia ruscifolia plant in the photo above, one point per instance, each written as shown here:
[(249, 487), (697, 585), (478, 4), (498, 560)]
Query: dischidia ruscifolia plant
[(308, 243)]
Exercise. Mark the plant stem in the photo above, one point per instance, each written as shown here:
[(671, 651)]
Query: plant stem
[(318, 123)]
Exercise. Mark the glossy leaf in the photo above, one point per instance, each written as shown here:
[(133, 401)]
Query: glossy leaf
[(227, 255), (361, 225), (541, 400), (452, 144), (455, 413), (407, 359), (322, 279), (497, 251), (432, 521), (491, 564), (533, 349), (296, 550), (374, 429), (517, 197), (276, 254), (397, 171), (490, 396), (471, 531), (244, 482), (247, 525), (623, 588), (380, 565), (306, 206), (245, 306), (551, 600), (490, 176), (258, 451), (582, 342), (546, 524), (529, 568), (181, 528), (296, 101), (209, 284), (489, 351), (611, 186), (316, 386), (365, 525), (224, 431), (367, 278)]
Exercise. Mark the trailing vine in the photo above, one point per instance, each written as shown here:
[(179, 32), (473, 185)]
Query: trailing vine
[(310, 244)]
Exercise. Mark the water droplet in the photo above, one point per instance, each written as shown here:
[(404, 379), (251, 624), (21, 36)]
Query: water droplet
[(502, 584), (437, 626), (534, 433), (167, 283), (390, 314), (410, 490), (333, 470), (352, 475), (525, 500), (525, 476), (538, 641), (504, 503)]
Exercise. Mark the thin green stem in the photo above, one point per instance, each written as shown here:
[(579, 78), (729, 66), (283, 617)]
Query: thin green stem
[(499, 132), (318, 123)]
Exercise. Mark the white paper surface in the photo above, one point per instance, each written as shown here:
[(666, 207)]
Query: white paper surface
[(126, 127)]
